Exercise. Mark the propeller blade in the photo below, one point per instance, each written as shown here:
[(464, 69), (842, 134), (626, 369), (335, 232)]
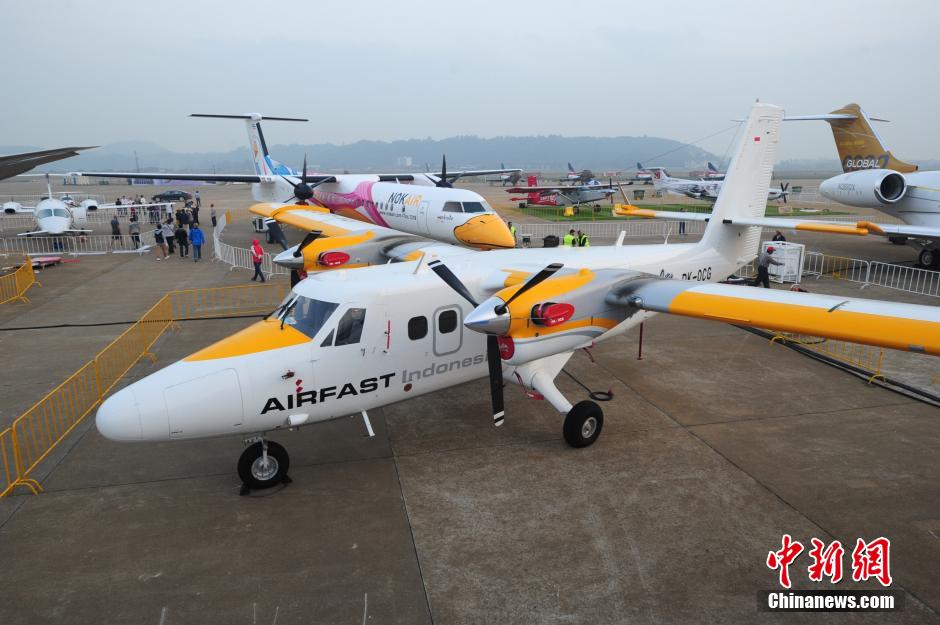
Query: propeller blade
[(310, 238), (496, 378), (443, 167), (444, 273), (303, 177), (276, 233), (535, 280)]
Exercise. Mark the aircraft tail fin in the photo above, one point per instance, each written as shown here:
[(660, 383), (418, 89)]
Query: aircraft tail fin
[(258, 149), (639, 165), (570, 168), (744, 190), (712, 168), (860, 146)]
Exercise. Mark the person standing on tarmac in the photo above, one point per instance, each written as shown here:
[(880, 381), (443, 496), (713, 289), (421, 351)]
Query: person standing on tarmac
[(197, 238), (257, 257), (778, 237), (583, 240), (763, 262), (512, 230), (569, 240)]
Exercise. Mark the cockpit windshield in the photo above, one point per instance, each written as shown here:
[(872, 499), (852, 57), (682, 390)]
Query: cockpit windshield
[(42, 213), (307, 315), (474, 207), (60, 212)]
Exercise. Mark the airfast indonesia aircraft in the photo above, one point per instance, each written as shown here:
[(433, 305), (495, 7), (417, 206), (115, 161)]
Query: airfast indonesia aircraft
[(344, 342), (419, 204)]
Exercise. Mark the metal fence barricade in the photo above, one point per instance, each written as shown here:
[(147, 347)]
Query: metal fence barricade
[(35, 433), (14, 285)]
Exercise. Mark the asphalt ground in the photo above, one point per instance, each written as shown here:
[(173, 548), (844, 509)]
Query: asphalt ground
[(716, 443)]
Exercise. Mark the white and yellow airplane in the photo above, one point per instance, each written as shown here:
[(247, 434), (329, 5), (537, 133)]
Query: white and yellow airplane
[(423, 204), (345, 342)]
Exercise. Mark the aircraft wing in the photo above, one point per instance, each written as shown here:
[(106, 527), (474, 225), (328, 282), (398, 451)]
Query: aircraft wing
[(465, 173), (309, 218), (168, 176), (859, 228), (15, 164), (561, 188), (907, 327)]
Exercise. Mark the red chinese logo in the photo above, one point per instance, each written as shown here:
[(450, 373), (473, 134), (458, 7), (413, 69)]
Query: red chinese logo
[(783, 558), (826, 562), (869, 560), (872, 560)]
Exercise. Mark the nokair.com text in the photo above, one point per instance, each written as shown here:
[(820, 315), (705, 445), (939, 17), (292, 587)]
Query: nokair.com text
[(830, 600)]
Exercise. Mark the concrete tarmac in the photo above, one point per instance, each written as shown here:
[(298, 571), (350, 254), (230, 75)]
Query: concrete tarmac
[(716, 443)]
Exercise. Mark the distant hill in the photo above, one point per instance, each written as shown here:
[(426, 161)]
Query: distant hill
[(541, 153)]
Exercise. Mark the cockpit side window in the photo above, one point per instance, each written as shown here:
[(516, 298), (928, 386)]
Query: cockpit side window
[(42, 213), (452, 207), (473, 207), (349, 330), (308, 315)]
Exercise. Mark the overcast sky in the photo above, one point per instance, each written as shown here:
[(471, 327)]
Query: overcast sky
[(96, 72)]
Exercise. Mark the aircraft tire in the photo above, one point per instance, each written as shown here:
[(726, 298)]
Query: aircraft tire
[(254, 475), (583, 424)]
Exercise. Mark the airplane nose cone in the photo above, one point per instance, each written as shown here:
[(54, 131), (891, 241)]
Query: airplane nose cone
[(485, 231), (288, 260), (118, 418)]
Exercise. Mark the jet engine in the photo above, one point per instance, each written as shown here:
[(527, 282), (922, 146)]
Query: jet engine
[(11, 208), (869, 188)]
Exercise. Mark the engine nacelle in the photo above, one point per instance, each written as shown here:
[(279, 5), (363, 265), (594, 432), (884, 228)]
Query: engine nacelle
[(870, 188), (11, 208)]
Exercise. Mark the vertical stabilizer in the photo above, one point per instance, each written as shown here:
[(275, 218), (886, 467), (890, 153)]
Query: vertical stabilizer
[(860, 146), (744, 190)]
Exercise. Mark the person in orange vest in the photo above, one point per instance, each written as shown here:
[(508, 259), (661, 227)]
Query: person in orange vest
[(257, 256)]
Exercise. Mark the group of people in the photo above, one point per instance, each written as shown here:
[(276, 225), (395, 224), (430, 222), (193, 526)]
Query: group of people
[(180, 233), (576, 239)]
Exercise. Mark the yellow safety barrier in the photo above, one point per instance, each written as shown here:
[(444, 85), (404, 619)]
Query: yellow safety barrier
[(13, 286), (865, 357), (34, 434)]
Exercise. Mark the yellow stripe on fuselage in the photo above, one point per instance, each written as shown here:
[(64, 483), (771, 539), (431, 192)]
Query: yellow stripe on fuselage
[(258, 337), (856, 327), (529, 330)]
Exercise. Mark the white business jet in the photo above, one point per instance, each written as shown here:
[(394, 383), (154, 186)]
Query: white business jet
[(346, 342)]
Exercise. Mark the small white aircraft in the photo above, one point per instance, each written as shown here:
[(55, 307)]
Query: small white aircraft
[(59, 216), (345, 342), (414, 203), (704, 189)]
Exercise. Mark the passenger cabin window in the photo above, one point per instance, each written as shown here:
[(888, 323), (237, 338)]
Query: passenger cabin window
[(349, 329), (309, 315), (447, 322), (473, 207), (452, 207), (417, 328)]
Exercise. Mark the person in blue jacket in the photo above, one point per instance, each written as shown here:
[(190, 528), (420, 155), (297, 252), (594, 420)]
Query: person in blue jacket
[(197, 238)]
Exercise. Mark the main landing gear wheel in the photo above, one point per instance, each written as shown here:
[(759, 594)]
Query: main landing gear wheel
[(583, 424), (927, 257), (259, 470)]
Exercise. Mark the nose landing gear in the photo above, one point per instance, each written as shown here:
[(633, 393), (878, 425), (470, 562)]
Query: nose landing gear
[(262, 465)]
